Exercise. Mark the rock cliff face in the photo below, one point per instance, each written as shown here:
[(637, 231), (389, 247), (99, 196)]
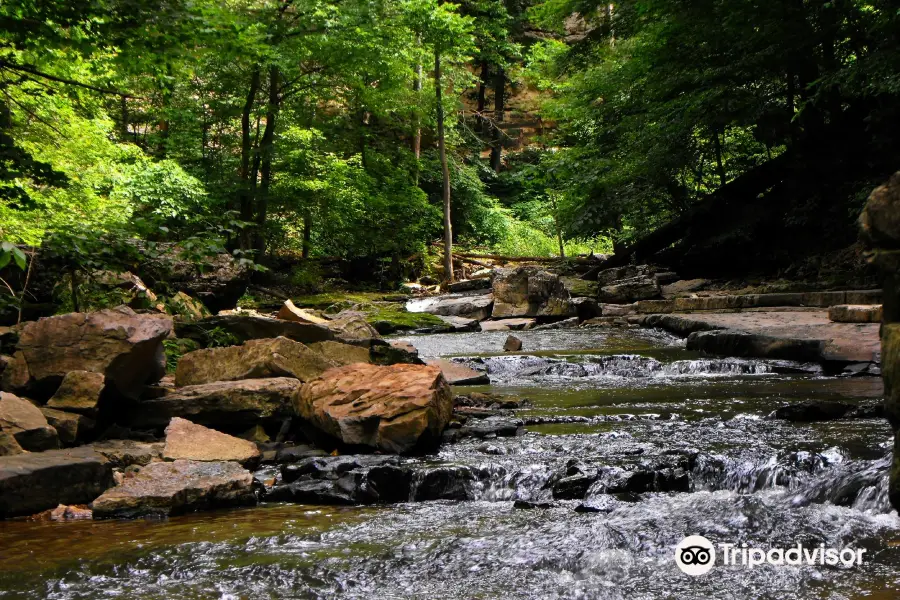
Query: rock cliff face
[(880, 224)]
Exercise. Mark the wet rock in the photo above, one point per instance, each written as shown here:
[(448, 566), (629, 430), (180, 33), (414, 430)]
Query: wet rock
[(458, 374), (70, 427), (508, 324), (240, 327), (468, 285), (123, 346), (459, 324), (171, 488), (531, 505), (388, 484), (629, 290), (189, 441), (64, 513), (339, 492), (855, 313), (395, 353), (530, 292), (603, 503), (738, 343), (333, 467), (293, 454), (227, 405), (488, 400), (394, 409), (342, 354), (573, 487), (31, 483), (24, 422), (289, 312), (512, 344), (79, 392), (808, 412), (586, 308), (444, 483), (492, 427), (124, 453), (867, 411), (255, 359)]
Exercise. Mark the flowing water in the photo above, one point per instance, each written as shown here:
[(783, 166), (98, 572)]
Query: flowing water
[(664, 444)]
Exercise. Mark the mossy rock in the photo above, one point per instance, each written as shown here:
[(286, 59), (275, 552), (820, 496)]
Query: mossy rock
[(393, 317)]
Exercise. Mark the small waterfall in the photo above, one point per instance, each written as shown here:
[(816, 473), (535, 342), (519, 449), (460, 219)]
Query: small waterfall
[(620, 366)]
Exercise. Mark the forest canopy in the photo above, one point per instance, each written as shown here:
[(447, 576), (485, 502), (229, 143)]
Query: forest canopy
[(375, 128)]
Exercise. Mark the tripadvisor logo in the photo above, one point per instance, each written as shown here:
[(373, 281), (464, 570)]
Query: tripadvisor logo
[(696, 555)]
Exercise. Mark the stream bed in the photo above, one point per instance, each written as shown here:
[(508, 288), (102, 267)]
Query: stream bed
[(550, 513)]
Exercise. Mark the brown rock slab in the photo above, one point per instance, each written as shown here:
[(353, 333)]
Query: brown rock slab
[(457, 374), (393, 409), (229, 405), (289, 312), (24, 421), (171, 488), (243, 327), (189, 441), (124, 346), (508, 324), (255, 359), (352, 328), (855, 313), (79, 392), (880, 219), (33, 482)]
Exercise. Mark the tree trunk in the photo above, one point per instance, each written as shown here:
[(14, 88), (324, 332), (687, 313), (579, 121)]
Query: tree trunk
[(497, 142), (445, 169), (267, 151), (245, 201), (483, 122), (417, 136)]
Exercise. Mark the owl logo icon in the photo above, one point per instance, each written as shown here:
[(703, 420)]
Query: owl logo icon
[(695, 555)]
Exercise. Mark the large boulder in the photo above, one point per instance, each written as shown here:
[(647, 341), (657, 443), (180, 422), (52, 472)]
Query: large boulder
[(458, 374), (25, 423), (189, 441), (170, 488), (880, 219), (238, 328), (124, 453), (468, 306), (123, 346), (33, 482), (228, 405), (530, 292), (79, 392), (394, 409), (255, 359)]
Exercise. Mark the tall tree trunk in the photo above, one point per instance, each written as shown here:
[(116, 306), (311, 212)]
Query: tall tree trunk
[(417, 136), (445, 169), (245, 201), (483, 122), (497, 142), (267, 152)]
